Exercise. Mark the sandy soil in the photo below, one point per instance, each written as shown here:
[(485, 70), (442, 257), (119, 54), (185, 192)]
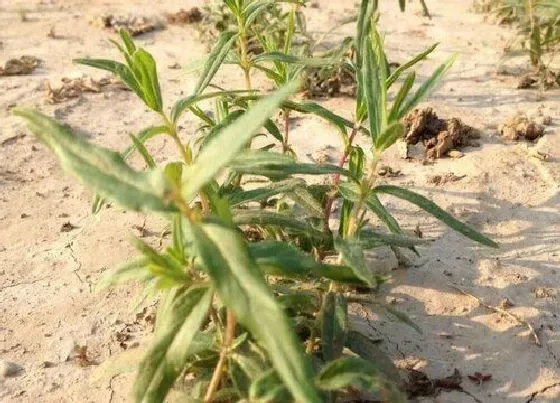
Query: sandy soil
[(47, 275)]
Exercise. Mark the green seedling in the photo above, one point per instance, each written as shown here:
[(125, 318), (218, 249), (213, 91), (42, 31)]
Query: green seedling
[(253, 281)]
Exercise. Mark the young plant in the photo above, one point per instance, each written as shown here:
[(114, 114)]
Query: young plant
[(538, 23), (253, 285)]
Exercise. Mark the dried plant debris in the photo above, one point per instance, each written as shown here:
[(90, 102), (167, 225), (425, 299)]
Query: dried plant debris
[(81, 357), (439, 136), (321, 83), (420, 385), (135, 25), (479, 377), (74, 87), (544, 78), (387, 171), (442, 179), (21, 66), (183, 16), (520, 127)]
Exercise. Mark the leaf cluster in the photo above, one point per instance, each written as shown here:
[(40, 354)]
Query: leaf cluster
[(253, 282)]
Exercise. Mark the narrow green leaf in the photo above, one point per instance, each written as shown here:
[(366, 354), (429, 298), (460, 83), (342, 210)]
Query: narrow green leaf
[(367, 349), (215, 156), (353, 255), (341, 274), (178, 236), (391, 134), (148, 159), (271, 164), (367, 8), (269, 388), (102, 170), (271, 127), (368, 235), (217, 128), (334, 325), (242, 289), (249, 157), (432, 208), (316, 109), (427, 87), (293, 59), (405, 66), (401, 96), (403, 317), (174, 172), (167, 356), (127, 40), (302, 197), (386, 218), (96, 204), (350, 371), (161, 264), (371, 90), (268, 218), (146, 75), (215, 60), (142, 137), (184, 103), (402, 5), (136, 270), (263, 193), (280, 258)]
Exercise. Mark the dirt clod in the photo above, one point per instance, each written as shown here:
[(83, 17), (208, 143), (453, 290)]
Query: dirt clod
[(520, 127), (73, 88), (544, 78), (135, 25), (67, 227), (183, 16), (439, 136), (21, 66)]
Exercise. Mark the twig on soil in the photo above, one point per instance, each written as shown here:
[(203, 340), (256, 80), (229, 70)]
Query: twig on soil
[(501, 311)]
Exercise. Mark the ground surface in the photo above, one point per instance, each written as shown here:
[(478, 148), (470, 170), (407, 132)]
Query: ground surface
[(47, 303)]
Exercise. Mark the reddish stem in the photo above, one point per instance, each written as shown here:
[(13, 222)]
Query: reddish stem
[(336, 180)]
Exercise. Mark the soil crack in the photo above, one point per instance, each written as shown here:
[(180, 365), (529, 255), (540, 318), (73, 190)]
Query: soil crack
[(537, 392), (79, 266)]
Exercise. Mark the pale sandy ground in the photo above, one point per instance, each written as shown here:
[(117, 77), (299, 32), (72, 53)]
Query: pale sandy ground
[(46, 276)]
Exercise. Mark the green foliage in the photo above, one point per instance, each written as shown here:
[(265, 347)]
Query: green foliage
[(538, 23), (251, 305)]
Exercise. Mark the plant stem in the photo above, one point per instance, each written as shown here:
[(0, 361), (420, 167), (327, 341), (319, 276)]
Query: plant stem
[(219, 370), (187, 157), (365, 188), (173, 133), (244, 56), (216, 321), (285, 144), (336, 180)]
